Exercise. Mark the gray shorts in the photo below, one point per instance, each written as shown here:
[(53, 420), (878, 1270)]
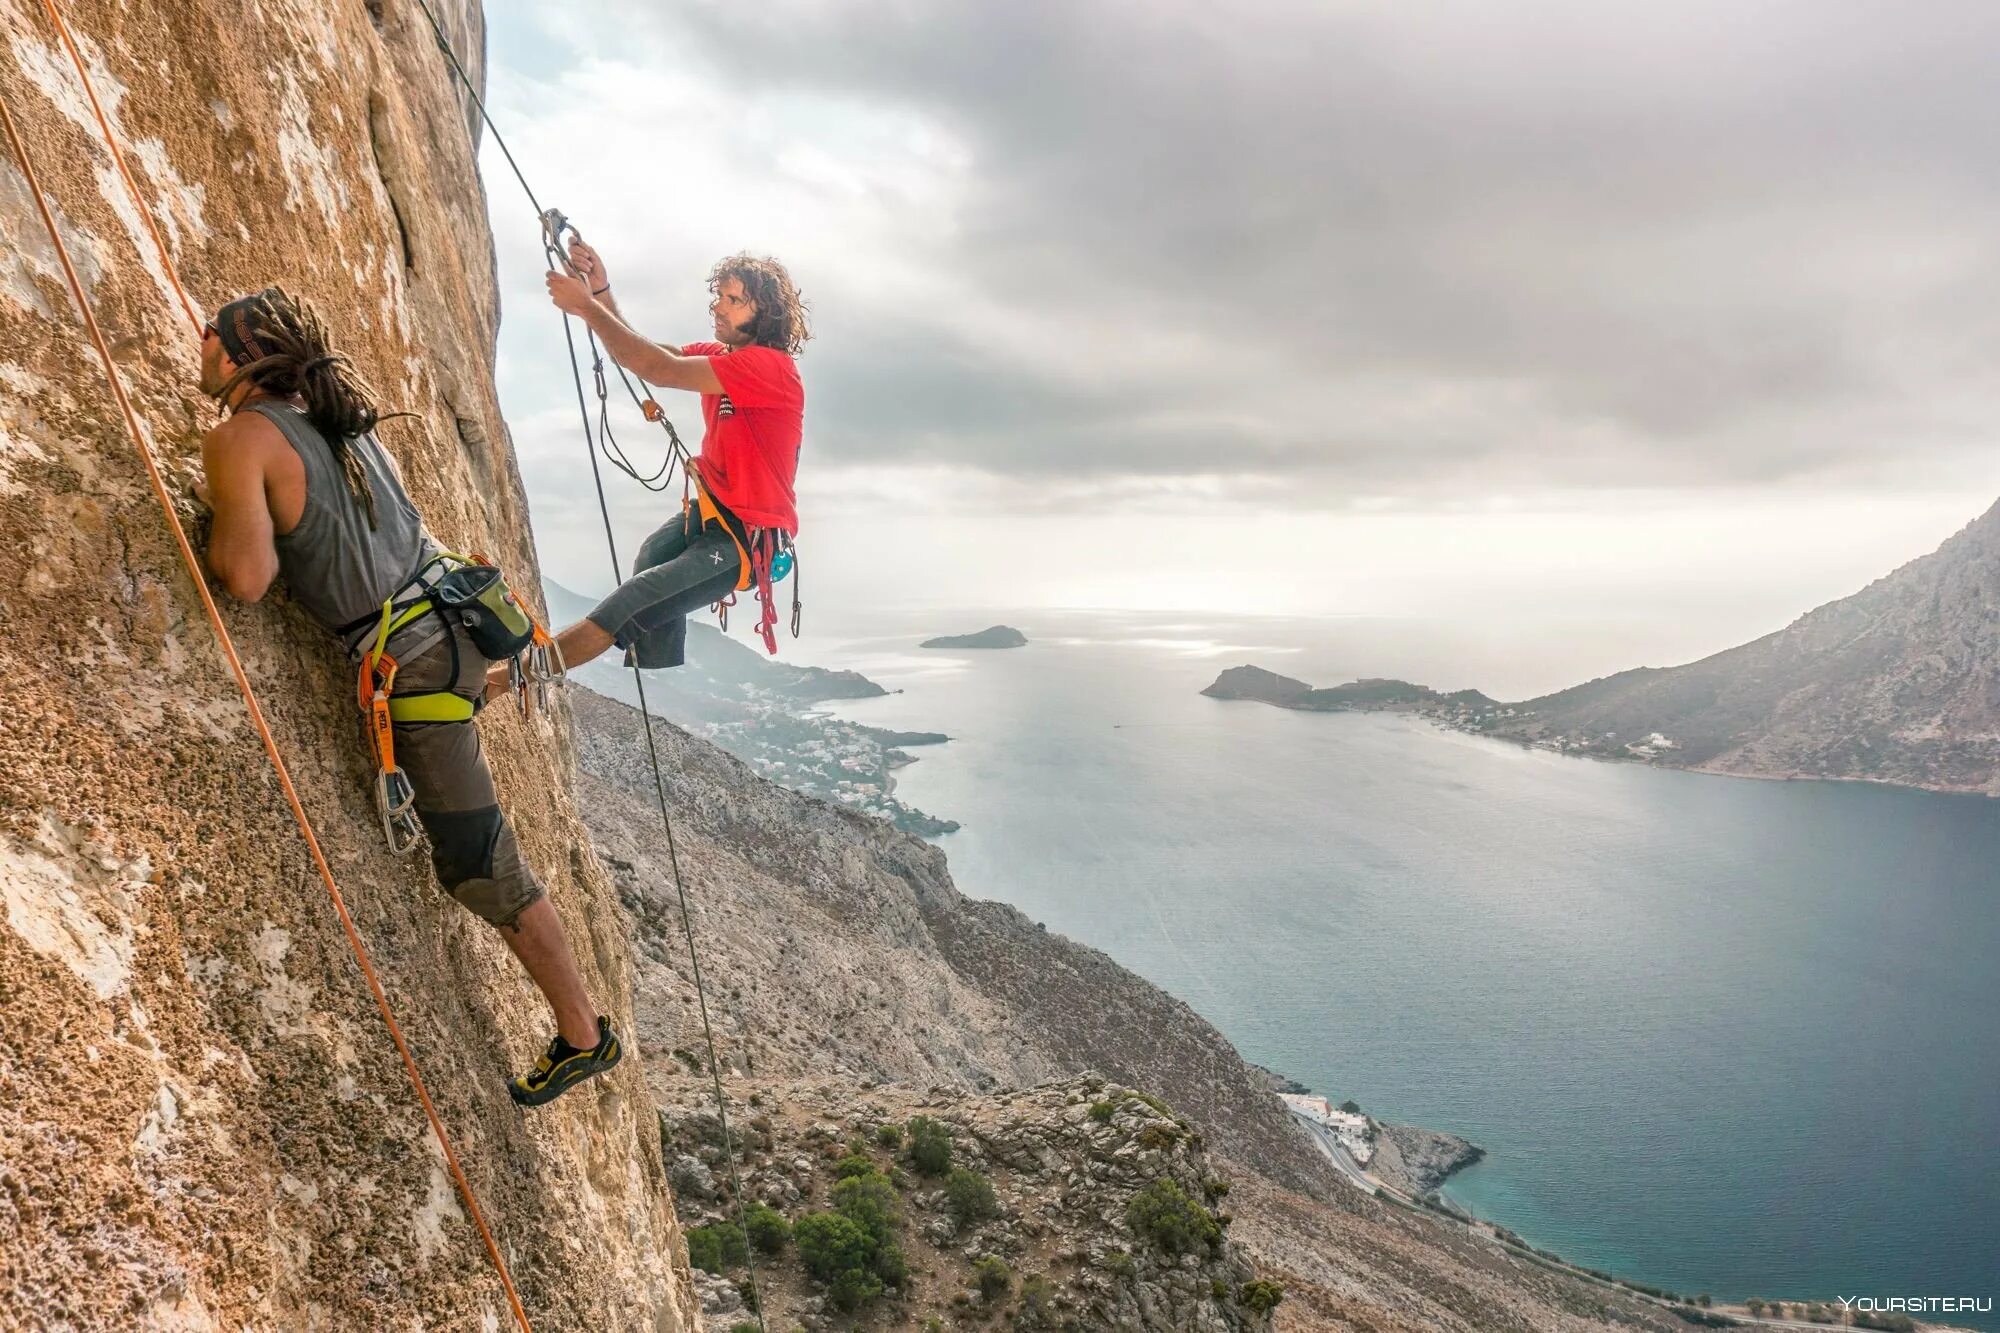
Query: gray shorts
[(472, 846)]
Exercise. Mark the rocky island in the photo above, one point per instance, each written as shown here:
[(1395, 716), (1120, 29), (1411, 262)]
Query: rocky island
[(995, 636)]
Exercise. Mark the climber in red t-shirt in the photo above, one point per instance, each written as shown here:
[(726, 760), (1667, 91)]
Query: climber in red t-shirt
[(753, 406)]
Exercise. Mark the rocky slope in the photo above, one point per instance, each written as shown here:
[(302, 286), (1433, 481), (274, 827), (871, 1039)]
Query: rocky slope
[(1064, 1162), (202, 1122), (1899, 683), (839, 959)]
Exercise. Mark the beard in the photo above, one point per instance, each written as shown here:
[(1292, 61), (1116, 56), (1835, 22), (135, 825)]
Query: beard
[(212, 379), (736, 335)]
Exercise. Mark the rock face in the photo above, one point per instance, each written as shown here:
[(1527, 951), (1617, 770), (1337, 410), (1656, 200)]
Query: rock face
[(202, 1121), (994, 636)]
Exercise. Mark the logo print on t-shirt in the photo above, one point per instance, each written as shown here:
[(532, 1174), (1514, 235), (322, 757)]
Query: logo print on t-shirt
[(725, 408)]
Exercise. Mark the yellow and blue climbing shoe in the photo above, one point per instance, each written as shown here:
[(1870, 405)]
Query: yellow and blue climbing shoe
[(563, 1066)]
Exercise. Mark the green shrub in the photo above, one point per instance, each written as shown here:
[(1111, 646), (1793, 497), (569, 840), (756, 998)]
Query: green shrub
[(992, 1276), (767, 1227), (716, 1247), (854, 1164), (1102, 1112), (745, 1327), (1120, 1263), (857, 1144), (830, 1244), (1218, 1289), (870, 1203), (1262, 1297), (853, 1288), (930, 1146), (891, 1266), (889, 1136), (1216, 1189), (1163, 1214), (969, 1198)]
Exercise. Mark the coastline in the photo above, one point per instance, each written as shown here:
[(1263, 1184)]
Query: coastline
[(1707, 768)]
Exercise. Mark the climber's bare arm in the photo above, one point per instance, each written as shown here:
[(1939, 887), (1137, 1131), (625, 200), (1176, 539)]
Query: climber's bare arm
[(241, 549), (643, 357)]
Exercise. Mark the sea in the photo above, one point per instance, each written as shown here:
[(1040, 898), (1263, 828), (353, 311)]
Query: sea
[(1715, 1034)]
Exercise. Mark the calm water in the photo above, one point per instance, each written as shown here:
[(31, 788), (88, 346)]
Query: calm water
[(1721, 1035)]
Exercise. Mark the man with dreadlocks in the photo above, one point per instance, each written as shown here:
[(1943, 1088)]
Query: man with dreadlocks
[(301, 488), (754, 409)]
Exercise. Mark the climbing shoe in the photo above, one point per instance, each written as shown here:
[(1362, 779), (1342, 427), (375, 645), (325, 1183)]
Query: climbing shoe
[(563, 1066)]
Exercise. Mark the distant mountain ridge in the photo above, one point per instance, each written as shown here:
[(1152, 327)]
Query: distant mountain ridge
[(1898, 683)]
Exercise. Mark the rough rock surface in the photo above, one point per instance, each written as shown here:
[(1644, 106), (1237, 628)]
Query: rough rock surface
[(202, 1121), (1417, 1160)]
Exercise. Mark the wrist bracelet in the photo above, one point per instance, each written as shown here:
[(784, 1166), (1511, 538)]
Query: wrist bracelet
[(599, 291)]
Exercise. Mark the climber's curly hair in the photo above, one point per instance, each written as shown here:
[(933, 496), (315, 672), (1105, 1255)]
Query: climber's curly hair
[(781, 311)]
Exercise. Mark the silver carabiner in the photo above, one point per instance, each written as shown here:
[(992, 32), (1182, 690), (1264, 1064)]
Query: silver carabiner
[(396, 803)]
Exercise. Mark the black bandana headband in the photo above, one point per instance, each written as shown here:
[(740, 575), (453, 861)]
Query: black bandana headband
[(238, 324)]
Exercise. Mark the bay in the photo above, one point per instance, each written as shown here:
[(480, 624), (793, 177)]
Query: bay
[(1716, 1034)]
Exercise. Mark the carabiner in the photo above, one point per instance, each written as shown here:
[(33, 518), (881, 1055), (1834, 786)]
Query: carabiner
[(396, 803)]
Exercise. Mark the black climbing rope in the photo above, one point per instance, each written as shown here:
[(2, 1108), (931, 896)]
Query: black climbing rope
[(639, 681)]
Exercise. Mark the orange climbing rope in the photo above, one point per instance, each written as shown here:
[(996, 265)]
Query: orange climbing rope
[(242, 679), (111, 141)]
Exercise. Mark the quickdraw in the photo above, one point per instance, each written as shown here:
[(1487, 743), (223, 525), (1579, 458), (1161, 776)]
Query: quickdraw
[(395, 797)]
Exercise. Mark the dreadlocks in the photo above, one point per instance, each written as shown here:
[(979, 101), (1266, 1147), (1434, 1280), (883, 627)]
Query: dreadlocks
[(781, 311), (280, 344)]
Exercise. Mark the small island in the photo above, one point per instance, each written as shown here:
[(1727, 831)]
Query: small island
[(996, 636)]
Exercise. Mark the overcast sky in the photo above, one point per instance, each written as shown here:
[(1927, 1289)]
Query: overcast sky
[(1307, 307)]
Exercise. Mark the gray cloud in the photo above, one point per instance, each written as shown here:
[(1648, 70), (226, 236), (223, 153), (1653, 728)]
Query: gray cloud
[(1388, 249)]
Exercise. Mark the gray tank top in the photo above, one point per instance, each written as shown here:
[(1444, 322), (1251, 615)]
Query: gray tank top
[(336, 567)]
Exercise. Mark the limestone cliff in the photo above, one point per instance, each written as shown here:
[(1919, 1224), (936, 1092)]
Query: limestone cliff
[(202, 1123)]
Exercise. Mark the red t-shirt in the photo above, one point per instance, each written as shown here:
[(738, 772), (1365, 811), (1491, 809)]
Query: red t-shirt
[(750, 452)]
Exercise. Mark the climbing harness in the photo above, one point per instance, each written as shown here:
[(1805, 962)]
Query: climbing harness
[(468, 592), (549, 235), (227, 645), (764, 557)]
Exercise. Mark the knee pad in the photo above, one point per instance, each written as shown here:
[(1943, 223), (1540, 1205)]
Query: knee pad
[(479, 864)]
